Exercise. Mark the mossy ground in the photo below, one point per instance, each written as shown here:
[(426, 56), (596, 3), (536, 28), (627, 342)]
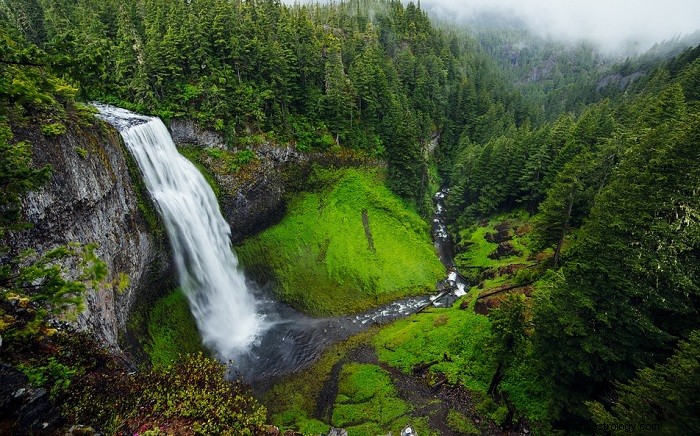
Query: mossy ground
[(453, 337), (367, 403), (455, 341), (473, 249), (346, 246), (172, 331)]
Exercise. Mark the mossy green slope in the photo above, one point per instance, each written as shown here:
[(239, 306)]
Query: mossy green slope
[(347, 246), (172, 330), (367, 403)]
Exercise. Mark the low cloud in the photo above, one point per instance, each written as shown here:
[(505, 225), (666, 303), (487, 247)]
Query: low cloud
[(616, 25)]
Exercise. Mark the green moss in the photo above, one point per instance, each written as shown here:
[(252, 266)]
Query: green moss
[(461, 423), (123, 282), (53, 129), (367, 403), (83, 153), (431, 336), (194, 154), (293, 400), (475, 249), (172, 330), (366, 394), (329, 259)]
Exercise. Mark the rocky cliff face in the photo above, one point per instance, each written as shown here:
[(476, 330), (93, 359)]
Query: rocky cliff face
[(253, 198), (92, 197), (249, 202)]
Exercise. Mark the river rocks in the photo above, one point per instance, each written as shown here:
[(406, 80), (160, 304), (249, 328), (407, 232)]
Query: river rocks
[(338, 432), (92, 198)]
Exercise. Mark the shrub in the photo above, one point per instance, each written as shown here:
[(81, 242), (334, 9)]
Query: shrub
[(53, 129), (193, 395), (54, 376)]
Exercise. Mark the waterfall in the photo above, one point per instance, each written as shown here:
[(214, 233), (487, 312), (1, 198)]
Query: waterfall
[(224, 309)]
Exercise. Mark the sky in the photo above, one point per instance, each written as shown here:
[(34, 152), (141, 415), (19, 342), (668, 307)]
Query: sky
[(613, 24)]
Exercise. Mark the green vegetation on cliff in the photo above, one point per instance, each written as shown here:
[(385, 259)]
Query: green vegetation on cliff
[(172, 331), (348, 245)]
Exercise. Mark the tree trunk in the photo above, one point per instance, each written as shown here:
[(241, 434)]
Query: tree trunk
[(496, 379)]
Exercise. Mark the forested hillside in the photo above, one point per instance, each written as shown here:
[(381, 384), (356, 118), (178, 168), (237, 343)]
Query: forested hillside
[(572, 191), (613, 193), (373, 76)]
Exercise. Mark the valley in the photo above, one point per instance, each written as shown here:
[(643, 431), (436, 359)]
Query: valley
[(363, 218)]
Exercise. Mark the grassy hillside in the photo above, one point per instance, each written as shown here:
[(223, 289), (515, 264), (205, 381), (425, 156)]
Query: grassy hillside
[(346, 246)]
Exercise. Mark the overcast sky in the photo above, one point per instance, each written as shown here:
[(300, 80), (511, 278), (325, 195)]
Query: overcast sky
[(611, 23)]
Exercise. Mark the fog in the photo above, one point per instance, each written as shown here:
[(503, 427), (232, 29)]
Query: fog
[(615, 25)]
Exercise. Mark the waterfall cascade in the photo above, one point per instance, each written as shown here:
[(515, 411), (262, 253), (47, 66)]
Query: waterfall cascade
[(224, 309)]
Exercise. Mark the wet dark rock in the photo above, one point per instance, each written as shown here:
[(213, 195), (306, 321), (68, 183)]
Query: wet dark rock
[(13, 386), (91, 197), (38, 415), (24, 410), (186, 131), (504, 249), (253, 202)]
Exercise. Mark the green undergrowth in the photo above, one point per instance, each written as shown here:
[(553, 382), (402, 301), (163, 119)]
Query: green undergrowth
[(345, 246), (476, 258), (453, 337), (292, 401), (172, 331), (457, 344), (367, 403), (460, 423)]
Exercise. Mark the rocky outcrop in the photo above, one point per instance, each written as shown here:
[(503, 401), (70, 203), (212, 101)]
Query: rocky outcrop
[(256, 201), (92, 197), (22, 409), (618, 80), (186, 131), (253, 198)]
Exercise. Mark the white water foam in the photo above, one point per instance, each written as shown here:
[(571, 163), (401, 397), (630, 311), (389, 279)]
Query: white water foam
[(224, 309)]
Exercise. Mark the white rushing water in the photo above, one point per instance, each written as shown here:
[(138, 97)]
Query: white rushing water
[(224, 309)]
